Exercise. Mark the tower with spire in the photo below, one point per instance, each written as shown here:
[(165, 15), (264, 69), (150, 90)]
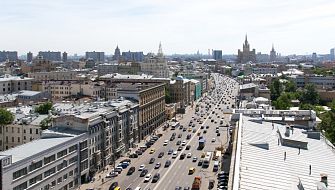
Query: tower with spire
[(160, 50), (272, 54), (117, 53), (246, 55)]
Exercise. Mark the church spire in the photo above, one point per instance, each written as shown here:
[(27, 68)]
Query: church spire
[(160, 50)]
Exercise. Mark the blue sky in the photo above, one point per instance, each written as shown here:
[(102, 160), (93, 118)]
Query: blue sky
[(183, 26)]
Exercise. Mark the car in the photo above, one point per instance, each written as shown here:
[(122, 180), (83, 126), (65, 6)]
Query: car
[(182, 156), (188, 136), (156, 178), (189, 129), (194, 130), (178, 188), (213, 139), (170, 151), (188, 147), (118, 169), (189, 155), (152, 151), (113, 185), (141, 167), (158, 165), (180, 148), (202, 127), (134, 155), (143, 172), (152, 160), (174, 154), (131, 171), (147, 178), (180, 135), (178, 143), (194, 159), (191, 171), (200, 162), (161, 154), (172, 138), (174, 134), (112, 174), (165, 143), (186, 188), (212, 120), (217, 134), (184, 129), (167, 163), (205, 131), (183, 143), (207, 126), (138, 152)]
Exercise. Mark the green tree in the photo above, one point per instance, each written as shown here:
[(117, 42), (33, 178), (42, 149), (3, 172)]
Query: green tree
[(167, 96), (328, 125), (276, 89), (44, 108), (45, 123), (283, 102), (6, 117), (310, 95), (290, 86)]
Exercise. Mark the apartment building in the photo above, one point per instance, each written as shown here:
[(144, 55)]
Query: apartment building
[(112, 128), (55, 161), (38, 65), (322, 82), (11, 84), (156, 66), (56, 75), (180, 91)]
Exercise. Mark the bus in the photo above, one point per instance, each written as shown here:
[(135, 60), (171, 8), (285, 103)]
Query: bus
[(174, 125), (207, 160)]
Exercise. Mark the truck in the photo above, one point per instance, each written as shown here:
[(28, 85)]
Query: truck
[(201, 143), (196, 183)]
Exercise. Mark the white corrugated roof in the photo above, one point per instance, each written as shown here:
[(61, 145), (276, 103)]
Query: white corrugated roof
[(266, 169)]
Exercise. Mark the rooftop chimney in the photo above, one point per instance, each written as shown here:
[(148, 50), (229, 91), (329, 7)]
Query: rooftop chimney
[(287, 132)]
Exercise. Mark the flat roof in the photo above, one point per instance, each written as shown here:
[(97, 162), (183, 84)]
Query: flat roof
[(34, 147), (29, 93), (266, 168)]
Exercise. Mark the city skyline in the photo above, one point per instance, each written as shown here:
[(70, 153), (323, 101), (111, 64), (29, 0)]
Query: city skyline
[(182, 27)]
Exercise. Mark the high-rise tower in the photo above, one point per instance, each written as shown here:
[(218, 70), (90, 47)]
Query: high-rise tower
[(246, 55), (273, 54)]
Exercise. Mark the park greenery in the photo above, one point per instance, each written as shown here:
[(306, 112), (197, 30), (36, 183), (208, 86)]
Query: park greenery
[(284, 91)]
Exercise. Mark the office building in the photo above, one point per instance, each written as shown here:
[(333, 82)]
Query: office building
[(8, 55), (29, 57), (217, 55), (64, 57), (133, 56), (98, 57), (156, 65), (314, 57), (332, 54), (246, 55), (50, 55)]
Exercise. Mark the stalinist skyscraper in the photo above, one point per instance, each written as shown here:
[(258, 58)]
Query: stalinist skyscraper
[(246, 55)]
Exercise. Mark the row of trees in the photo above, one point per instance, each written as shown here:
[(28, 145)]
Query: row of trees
[(282, 93)]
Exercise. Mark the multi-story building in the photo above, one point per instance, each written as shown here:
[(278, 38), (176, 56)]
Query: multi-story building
[(180, 91), (151, 99), (133, 56), (156, 66), (57, 160), (322, 82), (332, 54), (111, 127), (217, 55), (38, 65), (63, 89), (51, 55), (56, 75), (203, 78), (8, 55), (64, 57), (246, 55), (29, 57), (117, 54), (98, 57), (273, 54), (264, 69), (25, 128), (195, 84), (10, 84), (107, 68)]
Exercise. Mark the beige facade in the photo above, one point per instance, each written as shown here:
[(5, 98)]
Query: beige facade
[(156, 66), (38, 65), (56, 75), (182, 91), (10, 84)]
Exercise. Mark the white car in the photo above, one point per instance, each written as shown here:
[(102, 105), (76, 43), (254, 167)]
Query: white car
[(165, 143), (189, 155), (213, 139), (175, 154), (183, 143), (141, 167), (147, 178)]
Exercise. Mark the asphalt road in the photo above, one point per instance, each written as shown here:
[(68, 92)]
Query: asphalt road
[(177, 173)]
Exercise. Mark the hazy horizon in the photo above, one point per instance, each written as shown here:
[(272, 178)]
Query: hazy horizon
[(183, 27)]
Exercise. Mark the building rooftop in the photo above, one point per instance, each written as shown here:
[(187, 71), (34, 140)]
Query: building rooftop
[(29, 93), (263, 164), (120, 76), (6, 78), (29, 149), (247, 86)]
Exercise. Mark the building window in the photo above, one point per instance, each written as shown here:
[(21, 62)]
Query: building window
[(49, 159), (7, 129), (53, 183), (35, 179), (36, 132), (73, 148), (50, 172), (12, 129), (31, 131), (22, 186), (20, 173), (18, 139), (12, 139), (73, 159), (24, 131), (6, 139), (71, 173), (18, 130), (59, 180), (35, 165), (61, 153)]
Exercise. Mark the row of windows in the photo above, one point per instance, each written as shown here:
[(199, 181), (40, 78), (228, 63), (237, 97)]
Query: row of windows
[(18, 129)]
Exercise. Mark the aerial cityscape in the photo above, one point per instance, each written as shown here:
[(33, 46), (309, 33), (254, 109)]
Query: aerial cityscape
[(167, 95)]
